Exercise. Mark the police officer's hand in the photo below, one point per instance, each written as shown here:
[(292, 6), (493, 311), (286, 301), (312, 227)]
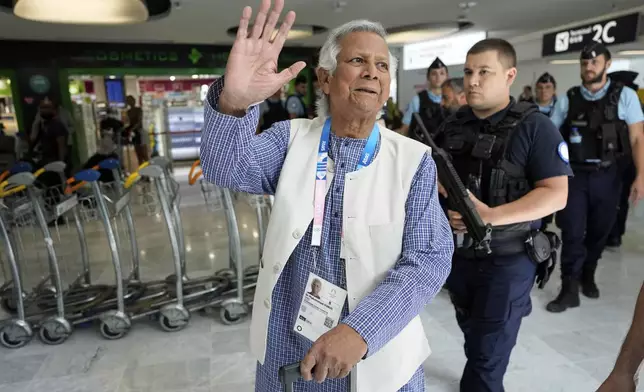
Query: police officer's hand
[(441, 190), (618, 383), (637, 190), (456, 219), (334, 354), (251, 72)]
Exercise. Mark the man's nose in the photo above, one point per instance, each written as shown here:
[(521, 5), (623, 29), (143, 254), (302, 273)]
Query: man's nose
[(370, 71)]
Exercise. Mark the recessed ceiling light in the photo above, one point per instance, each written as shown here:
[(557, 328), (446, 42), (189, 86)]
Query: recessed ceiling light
[(563, 62), (195, 76), (637, 52), (112, 77), (172, 78), (423, 32), (109, 12), (296, 32)]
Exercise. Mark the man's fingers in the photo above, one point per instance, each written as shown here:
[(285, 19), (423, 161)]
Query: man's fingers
[(321, 371), (344, 372), (280, 38), (273, 17), (242, 31), (441, 190), (260, 19), (291, 72), (454, 215), (307, 365)]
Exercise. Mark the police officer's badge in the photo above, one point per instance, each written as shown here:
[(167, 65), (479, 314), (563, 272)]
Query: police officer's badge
[(562, 150)]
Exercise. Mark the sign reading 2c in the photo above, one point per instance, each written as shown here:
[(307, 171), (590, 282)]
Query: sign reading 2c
[(602, 32)]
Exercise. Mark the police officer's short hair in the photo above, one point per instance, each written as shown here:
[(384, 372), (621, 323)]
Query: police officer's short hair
[(301, 79), (456, 84), (504, 49)]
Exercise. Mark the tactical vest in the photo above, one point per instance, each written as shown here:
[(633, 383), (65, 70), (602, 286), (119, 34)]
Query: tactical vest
[(276, 113), (431, 113), (481, 158), (595, 135)]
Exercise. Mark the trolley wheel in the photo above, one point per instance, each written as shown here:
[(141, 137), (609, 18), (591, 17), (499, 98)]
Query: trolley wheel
[(15, 335), (54, 332), (114, 325), (226, 273), (168, 326), (9, 305), (109, 334), (231, 314)]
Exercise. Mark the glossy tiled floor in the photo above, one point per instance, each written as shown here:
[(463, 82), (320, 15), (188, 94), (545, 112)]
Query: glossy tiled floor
[(569, 352)]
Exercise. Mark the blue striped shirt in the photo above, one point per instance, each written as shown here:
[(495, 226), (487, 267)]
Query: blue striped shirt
[(233, 156)]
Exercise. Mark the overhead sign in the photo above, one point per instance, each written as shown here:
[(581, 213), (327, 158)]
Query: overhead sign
[(612, 31), (451, 50)]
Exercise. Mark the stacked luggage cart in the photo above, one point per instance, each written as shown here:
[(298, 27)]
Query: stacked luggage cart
[(44, 233)]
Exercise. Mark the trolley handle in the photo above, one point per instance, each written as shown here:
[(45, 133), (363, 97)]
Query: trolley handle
[(11, 191), (193, 176), (132, 178), (73, 188)]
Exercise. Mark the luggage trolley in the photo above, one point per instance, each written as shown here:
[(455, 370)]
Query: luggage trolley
[(220, 199), (54, 327), (232, 307), (170, 309)]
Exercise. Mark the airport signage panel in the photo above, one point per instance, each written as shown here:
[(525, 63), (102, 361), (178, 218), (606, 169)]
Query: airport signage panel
[(613, 31)]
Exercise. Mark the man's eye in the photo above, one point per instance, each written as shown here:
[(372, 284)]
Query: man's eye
[(356, 60), (383, 65)]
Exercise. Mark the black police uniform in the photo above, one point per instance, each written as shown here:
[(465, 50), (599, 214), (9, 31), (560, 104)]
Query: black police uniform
[(430, 112), (276, 112), (500, 159), (598, 140), (547, 78), (628, 171)]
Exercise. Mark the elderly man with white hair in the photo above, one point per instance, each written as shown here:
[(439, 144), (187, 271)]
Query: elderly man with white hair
[(356, 208)]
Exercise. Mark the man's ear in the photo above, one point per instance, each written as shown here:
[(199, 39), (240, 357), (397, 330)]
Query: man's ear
[(511, 75), (324, 78), (608, 63)]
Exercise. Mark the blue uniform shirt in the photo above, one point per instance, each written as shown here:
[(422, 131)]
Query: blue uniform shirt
[(629, 108), (414, 106), (549, 108)]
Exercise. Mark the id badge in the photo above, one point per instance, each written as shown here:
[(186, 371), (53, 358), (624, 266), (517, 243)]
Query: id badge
[(320, 309)]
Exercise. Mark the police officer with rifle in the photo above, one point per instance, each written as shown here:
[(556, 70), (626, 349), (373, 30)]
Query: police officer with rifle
[(601, 121), (428, 102), (513, 162)]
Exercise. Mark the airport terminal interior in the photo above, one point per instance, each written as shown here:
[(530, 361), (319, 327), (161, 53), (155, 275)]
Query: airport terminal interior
[(125, 270)]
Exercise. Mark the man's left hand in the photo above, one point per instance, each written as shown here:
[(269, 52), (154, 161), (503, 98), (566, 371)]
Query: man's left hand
[(637, 190), (456, 219), (334, 354)]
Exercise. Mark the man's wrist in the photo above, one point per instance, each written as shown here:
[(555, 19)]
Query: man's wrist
[(226, 105)]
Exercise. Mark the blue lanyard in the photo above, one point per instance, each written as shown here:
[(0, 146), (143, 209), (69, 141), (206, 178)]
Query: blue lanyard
[(323, 149), (321, 171)]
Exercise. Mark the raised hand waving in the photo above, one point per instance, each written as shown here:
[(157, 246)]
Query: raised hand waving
[(251, 72)]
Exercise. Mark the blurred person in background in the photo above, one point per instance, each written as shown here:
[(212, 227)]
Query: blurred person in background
[(135, 130), (427, 103), (546, 87), (272, 110), (453, 95), (526, 95), (295, 103)]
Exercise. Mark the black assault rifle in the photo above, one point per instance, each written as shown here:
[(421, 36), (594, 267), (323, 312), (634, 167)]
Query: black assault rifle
[(457, 196)]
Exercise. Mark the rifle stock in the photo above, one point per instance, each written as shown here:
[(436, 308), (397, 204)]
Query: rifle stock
[(457, 195)]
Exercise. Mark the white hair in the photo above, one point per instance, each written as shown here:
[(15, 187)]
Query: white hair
[(331, 48)]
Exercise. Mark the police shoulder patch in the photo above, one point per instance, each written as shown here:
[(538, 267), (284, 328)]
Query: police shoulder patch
[(562, 150)]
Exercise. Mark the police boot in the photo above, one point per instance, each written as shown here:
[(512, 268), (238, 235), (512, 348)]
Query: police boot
[(568, 296), (588, 286)]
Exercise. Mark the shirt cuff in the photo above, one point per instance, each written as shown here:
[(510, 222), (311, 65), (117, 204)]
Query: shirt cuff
[(360, 326), (214, 92)]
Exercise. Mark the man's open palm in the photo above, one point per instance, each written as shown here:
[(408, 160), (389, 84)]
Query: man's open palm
[(251, 72)]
